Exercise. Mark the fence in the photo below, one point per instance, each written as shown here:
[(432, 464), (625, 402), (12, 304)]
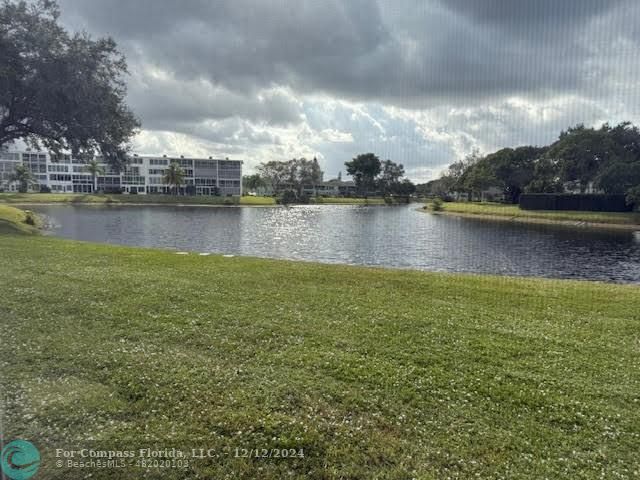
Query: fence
[(588, 202)]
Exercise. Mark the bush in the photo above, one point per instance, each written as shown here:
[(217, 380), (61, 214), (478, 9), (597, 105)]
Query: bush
[(436, 204), (287, 197), (30, 218), (45, 189), (304, 198)]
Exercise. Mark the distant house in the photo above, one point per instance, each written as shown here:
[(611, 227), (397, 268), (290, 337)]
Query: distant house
[(575, 187), (331, 188)]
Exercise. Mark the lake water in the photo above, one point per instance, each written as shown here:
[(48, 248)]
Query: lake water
[(360, 235)]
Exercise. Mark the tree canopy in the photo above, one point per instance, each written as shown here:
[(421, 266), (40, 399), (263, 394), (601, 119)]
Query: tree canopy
[(61, 91), (294, 173), (370, 174), (364, 169), (606, 159)]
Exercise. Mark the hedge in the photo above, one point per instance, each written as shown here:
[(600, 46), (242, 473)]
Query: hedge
[(580, 202)]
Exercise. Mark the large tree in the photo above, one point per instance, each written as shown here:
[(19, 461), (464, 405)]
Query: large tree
[(61, 91), (619, 177), (304, 172), (390, 175), (478, 178), (580, 152), (364, 169), (293, 174), (546, 177), (274, 173), (514, 169)]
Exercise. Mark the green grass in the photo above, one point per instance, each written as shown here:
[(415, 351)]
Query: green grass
[(22, 198), (14, 220), (514, 211), (374, 373), (26, 198)]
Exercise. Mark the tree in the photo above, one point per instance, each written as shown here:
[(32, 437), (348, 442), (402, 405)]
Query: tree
[(61, 91), (304, 172), (95, 169), (440, 187), (513, 169), (546, 177), (619, 177), (390, 176), (274, 174), (404, 187), (364, 169), (252, 182), (23, 176), (295, 173), (459, 171), (479, 177), (174, 177), (581, 152)]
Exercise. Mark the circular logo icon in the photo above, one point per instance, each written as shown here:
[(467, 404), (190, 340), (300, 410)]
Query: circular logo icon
[(20, 460)]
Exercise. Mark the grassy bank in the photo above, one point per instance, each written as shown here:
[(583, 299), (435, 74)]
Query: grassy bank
[(27, 198), (373, 373), (514, 212), (14, 220)]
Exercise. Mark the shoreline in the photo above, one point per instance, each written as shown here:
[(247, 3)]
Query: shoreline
[(539, 221), (215, 205), (128, 204), (43, 233)]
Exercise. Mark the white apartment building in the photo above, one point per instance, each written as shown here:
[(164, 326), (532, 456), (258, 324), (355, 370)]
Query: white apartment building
[(141, 175)]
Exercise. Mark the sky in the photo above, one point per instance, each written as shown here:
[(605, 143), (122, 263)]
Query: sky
[(422, 83)]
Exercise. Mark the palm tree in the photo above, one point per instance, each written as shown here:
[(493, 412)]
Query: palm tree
[(23, 176), (174, 176), (95, 169)]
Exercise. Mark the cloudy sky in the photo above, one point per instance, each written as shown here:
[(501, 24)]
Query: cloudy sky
[(419, 82)]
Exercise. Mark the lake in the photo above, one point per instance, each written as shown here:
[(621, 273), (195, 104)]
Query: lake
[(398, 236)]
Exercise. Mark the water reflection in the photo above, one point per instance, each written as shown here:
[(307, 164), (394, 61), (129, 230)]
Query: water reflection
[(385, 236)]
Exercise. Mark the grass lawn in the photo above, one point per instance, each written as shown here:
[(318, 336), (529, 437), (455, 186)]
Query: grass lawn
[(119, 198), (373, 373), (26, 198), (502, 210)]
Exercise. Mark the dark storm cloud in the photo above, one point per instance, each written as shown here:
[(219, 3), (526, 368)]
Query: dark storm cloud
[(357, 49), (419, 81), (516, 14)]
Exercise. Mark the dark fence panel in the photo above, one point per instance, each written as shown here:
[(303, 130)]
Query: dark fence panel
[(587, 202)]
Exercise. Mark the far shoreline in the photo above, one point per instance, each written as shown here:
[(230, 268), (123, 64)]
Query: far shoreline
[(538, 221)]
